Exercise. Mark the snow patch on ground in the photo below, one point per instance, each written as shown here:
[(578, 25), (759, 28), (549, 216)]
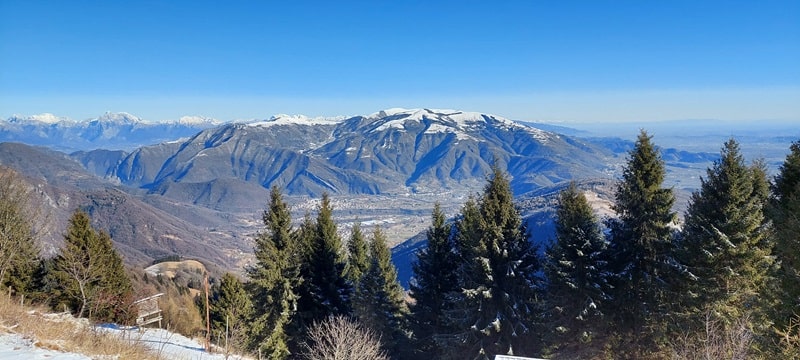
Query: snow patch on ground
[(166, 344), (16, 346)]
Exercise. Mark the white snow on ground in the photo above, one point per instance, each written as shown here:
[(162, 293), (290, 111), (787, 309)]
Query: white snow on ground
[(167, 345), (15, 346), (164, 345)]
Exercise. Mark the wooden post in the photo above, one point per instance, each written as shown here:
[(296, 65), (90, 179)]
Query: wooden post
[(208, 318)]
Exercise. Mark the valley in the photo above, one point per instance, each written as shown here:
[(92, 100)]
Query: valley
[(202, 196)]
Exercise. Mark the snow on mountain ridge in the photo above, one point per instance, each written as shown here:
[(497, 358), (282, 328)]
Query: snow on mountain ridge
[(198, 120), (45, 118), (120, 118), (449, 121), (284, 119)]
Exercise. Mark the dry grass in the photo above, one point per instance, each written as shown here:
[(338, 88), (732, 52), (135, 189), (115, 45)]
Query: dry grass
[(62, 332)]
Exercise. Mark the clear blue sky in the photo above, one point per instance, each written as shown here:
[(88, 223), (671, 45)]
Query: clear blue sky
[(579, 61)]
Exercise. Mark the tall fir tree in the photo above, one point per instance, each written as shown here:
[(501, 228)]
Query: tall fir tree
[(724, 243), (379, 303), (499, 277), (358, 255), (434, 282), (19, 253), (330, 292), (784, 212), (642, 248), (231, 312), (89, 273), (578, 273), (274, 277), (304, 319), (115, 295)]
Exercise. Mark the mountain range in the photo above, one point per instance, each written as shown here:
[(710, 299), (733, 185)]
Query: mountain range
[(197, 188)]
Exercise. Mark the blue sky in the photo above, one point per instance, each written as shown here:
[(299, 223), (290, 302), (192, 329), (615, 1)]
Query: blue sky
[(570, 61)]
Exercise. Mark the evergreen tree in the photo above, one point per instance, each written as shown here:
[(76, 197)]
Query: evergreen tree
[(578, 273), (231, 311), (330, 291), (724, 244), (498, 277), (114, 297), (379, 302), (358, 255), (642, 249), (784, 212), (434, 281), (19, 254), (304, 316), (89, 273), (274, 278)]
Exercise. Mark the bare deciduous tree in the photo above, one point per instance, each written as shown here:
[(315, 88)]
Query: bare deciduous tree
[(719, 341), (339, 338)]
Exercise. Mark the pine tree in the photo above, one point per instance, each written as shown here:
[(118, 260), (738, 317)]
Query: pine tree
[(89, 272), (19, 253), (498, 277), (330, 291), (642, 249), (115, 294), (304, 315), (379, 302), (274, 279), (434, 281), (723, 244), (784, 212), (358, 255), (231, 311), (577, 270)]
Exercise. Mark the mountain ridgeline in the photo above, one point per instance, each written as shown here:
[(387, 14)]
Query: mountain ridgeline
[(390, 152)]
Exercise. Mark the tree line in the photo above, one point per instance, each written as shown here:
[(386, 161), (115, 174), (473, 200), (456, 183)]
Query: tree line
[(86, 276), (724, 283)]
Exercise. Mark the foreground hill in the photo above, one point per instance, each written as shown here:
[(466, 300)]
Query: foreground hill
[(141, 231)]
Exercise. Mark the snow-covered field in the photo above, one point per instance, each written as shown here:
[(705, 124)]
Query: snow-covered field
[(164, 344)]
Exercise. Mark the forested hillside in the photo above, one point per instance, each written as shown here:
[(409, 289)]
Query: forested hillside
[(638, 284)]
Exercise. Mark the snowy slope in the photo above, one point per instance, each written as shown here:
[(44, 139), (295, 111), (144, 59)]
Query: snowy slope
[(15, 346), (164, 344), (167, 344)]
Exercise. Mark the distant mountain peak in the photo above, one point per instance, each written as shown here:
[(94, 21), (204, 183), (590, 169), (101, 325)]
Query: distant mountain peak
[(198, 120), (285, 119), (45, 118), (119, 118)]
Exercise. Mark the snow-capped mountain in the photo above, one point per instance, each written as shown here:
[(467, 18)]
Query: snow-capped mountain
[(113, 131), (395, 151)]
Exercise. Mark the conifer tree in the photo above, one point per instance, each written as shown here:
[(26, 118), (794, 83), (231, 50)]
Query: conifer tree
[(231, 311), (724, 244), (784, 212), (577, 270), (330, 292), (358, 255), (642, 249), (434, 283), (498, 277), (89, 272), (19, 253), (115, 294), (274, 278), (379, 302), (303, 237)]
